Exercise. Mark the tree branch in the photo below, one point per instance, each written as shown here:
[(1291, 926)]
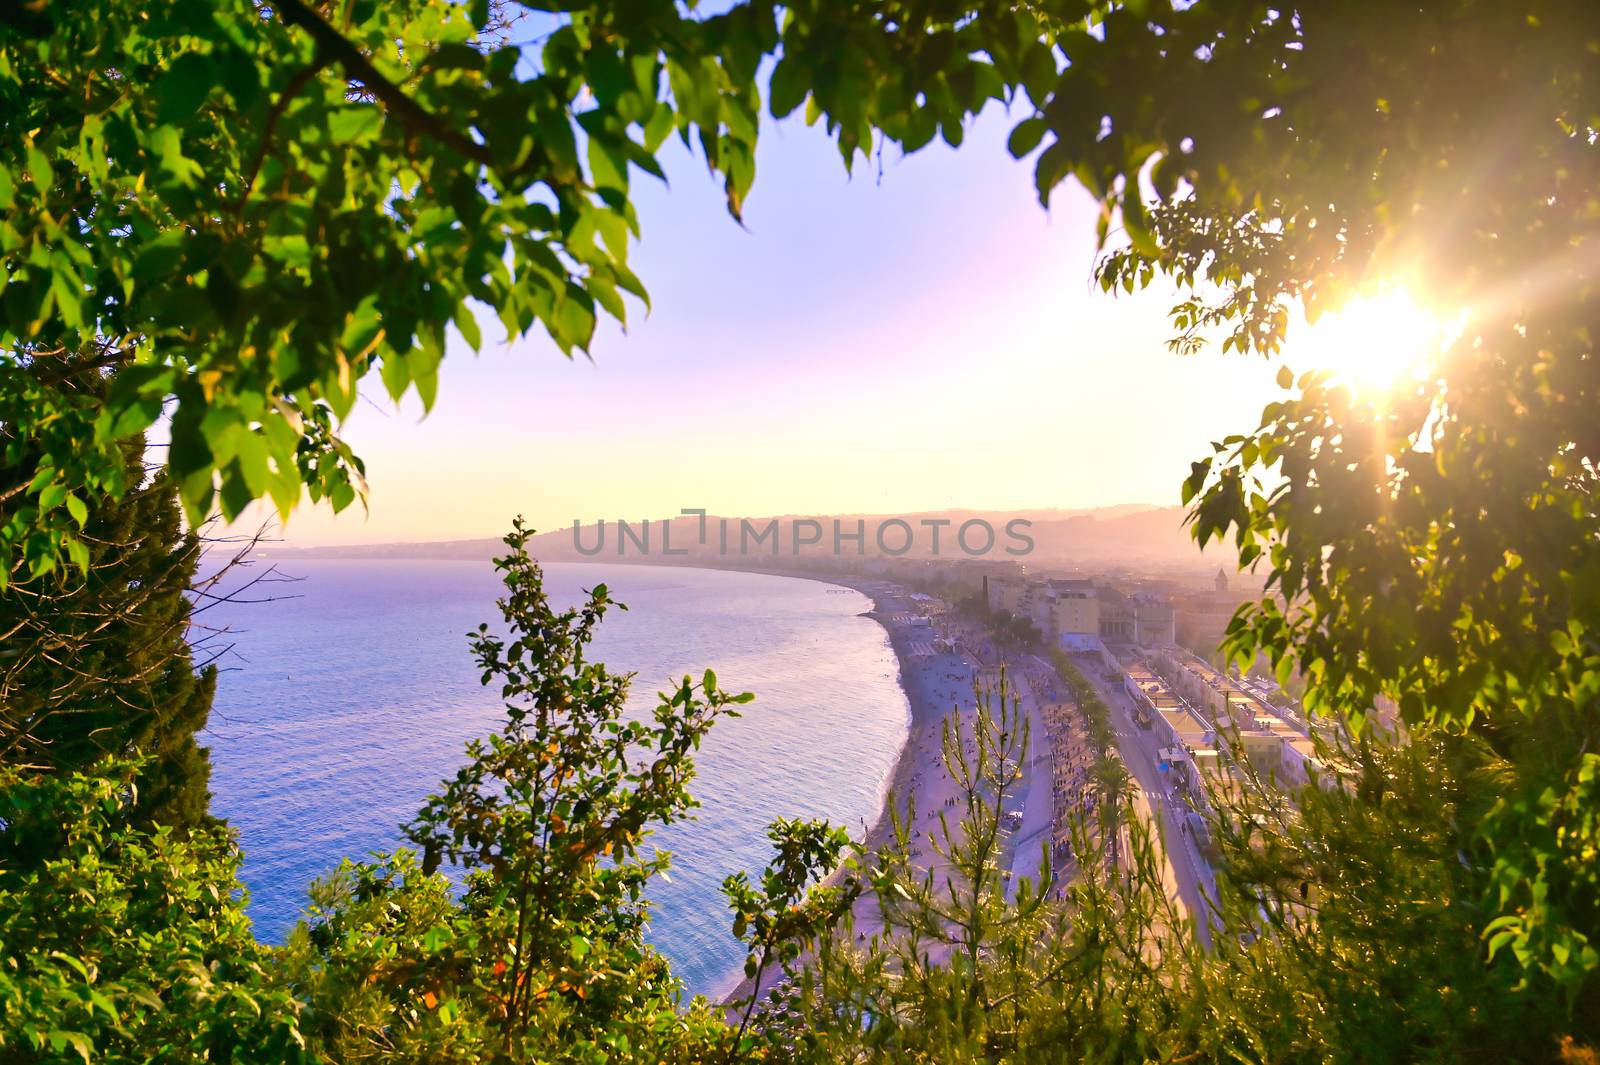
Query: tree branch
[(318, 62), (359, 68), (110, 355)]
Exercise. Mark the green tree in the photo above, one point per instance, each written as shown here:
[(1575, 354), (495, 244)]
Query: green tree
[(1352, 924), (126, 943), (98, 661), (1433, 543), (965, 965), (544, 957), (1345, 929), (247, 209), (794, 910)]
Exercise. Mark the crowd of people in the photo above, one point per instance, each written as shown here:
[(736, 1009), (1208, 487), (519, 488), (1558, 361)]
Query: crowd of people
[(1072, 791)]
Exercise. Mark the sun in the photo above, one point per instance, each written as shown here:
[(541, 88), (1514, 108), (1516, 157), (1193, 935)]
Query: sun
[(1374, 343)]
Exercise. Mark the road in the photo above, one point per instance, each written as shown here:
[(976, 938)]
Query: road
[(1195, 882)]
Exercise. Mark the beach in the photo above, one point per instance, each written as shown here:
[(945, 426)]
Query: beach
[(940, 661)]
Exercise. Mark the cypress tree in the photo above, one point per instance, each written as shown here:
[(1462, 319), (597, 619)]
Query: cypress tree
[(100, 663)]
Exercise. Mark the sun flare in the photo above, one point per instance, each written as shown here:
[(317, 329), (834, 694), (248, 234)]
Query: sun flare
[(1373, 343)]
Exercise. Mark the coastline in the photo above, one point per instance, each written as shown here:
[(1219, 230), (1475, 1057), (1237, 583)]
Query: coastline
[(922, 711), (818, 649), (906, 765), (913, 760)]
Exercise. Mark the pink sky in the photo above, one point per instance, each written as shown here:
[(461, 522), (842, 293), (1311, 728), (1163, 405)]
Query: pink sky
[(926, 341)]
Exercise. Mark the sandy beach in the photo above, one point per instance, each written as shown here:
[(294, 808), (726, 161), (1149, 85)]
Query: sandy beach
[(939, 661)]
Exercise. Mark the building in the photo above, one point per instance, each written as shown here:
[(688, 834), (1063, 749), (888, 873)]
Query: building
[(1143, 618), (1218, 695), (1006, 593), (1153, 620), (1074, 608), (1066, 611), (1276, 748), (971, 576), (1179, 727), (1201, 617), (1116, 616), (1148, 691), (1300, 762)]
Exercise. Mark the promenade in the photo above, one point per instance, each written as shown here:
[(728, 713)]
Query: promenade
[(944, 662)]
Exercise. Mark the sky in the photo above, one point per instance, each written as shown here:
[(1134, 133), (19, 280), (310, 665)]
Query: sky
[(923, 340)]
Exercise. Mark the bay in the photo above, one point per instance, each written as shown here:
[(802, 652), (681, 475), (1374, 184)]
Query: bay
[(341, 708)]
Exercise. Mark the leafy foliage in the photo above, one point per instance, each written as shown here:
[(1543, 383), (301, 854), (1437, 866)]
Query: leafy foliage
[(242, 209), (1431, 544), (99, 662), (1109, 770), (963, 965), (1347, 929), (383, 965), (1354, 926), (1345, 932), (245, 210), (125, 943), (548, 818), (793, 911)]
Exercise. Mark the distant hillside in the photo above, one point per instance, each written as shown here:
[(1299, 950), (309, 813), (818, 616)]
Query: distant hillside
[(1126, 535)]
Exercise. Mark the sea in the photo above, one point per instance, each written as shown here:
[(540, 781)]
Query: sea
[(349, 693)]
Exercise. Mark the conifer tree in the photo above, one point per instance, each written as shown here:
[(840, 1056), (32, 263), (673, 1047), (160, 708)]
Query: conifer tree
[(98, 663)]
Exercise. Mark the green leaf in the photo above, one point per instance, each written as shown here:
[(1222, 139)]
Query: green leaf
[(166, 144), (467, 324), (78, 553), (251, 455), (80, 1043), (341, 495), (68, 293), (292, 250), (788, 87), (395, 374), (1026, 137), (608, 167), (605, 294), (355, 124), (184, 87), (39, 170)]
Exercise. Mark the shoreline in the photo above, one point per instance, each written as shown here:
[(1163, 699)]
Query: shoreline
[(921, 710), (906, 765), (910, 762), (884, 599), (900, 776)]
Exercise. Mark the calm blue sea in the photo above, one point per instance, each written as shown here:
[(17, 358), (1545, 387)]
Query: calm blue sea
[(340, 709)]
